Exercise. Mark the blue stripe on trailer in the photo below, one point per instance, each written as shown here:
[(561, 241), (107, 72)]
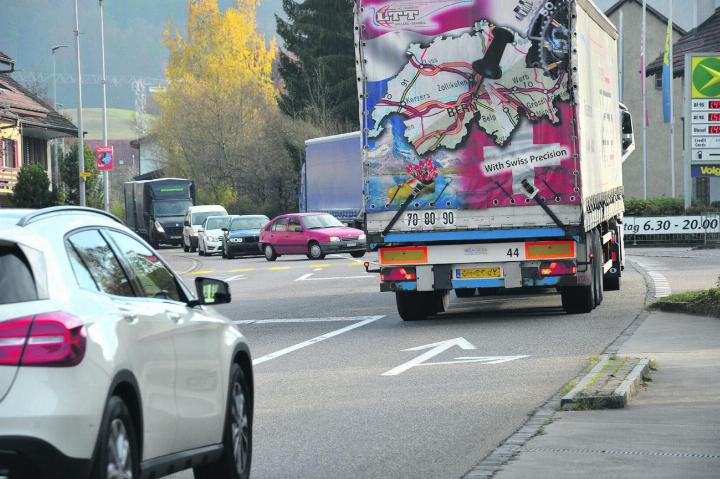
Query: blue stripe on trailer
[(500, 283), (522, 233), (478, 283)]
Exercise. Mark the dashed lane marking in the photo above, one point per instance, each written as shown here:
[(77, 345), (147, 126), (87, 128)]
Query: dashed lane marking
[(315, 340), (241, 270), (202, 271), (321, 265), (279, 268)]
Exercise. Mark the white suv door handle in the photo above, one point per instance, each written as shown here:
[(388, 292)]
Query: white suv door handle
[(174, 316), (128, 315)]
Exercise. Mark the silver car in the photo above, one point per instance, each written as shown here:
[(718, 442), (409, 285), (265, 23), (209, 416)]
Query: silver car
[(109, 365)]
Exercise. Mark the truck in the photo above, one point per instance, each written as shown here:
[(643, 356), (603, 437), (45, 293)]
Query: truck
[(154, 209), (331, 177), (492, 147)]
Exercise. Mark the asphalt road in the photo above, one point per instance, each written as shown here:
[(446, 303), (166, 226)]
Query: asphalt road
[(336, 397)]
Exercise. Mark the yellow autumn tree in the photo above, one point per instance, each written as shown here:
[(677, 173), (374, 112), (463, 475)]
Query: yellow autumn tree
[(219, 121)]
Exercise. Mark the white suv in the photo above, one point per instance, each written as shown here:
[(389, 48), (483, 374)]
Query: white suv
[(109, 367)]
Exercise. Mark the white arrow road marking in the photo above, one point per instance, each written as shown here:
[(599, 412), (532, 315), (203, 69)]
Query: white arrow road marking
[(442, 346), (305, 320), (435, 349), (304, 277), (235, 278), (478, 359), (315, 340)]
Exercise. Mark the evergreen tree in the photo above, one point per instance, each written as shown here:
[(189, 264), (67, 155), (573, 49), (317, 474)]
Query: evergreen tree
[(318, 63), (94, 190), (33, 188)]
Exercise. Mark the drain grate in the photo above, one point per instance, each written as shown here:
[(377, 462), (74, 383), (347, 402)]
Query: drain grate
[(623, 453)]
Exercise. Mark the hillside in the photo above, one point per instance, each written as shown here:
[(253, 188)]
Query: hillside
[(121, 123)]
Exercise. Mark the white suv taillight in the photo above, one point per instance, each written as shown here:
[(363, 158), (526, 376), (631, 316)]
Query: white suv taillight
[(54, 339)]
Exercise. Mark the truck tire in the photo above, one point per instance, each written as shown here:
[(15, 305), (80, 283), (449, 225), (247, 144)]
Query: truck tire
[(465, 292), (414, 306), (578, 299), (442, 301)]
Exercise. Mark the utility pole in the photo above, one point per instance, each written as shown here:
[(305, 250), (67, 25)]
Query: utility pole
[(81, 142), (53, 50), (106, 173)]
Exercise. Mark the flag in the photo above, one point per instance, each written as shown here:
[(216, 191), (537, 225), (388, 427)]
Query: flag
[(667, 75)]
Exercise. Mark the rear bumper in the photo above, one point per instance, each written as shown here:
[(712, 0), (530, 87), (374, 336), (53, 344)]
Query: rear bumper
[(30, 458)]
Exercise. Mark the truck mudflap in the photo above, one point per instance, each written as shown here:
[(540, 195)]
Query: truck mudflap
[(498, 265)]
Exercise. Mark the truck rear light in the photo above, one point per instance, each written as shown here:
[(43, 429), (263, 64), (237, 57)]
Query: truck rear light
[(557, 268), (410, 254), (550, 249), (614, 256), (398, 274), (55, 339)]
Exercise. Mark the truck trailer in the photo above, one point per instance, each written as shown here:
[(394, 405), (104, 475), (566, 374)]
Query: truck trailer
[(331, 180), (492, 147), (154, 209)]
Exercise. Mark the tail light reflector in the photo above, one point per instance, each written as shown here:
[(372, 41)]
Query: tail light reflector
[(398, 274), (557, 268), (54, 339)]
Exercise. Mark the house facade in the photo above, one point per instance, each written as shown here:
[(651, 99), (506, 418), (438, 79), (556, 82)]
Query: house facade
[(27, 125)]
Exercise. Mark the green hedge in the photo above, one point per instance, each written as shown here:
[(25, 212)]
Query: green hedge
[(664, 206)]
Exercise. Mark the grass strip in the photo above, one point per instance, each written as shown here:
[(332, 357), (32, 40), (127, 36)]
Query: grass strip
[(704, 302)]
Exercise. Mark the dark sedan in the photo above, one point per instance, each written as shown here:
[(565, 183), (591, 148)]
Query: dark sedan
[(241, 237)]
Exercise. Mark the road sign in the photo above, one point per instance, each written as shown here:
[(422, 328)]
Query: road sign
[(104, 158), (85, 175), (442, 346), (704, 126)]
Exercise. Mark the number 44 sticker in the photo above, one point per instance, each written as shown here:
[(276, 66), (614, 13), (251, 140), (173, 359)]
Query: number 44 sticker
[(513, 252)]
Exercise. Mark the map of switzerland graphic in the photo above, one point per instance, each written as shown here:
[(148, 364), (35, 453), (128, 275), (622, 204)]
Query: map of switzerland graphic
[(440, 95)]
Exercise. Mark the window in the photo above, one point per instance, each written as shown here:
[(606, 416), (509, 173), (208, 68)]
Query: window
[(155, 279), (255, 223), (17, 284), (315, 222), (658, 81), (280, 225), (7, 153), (100, 263), (216, 223), (84, 279), (199, 218), (294, 225)]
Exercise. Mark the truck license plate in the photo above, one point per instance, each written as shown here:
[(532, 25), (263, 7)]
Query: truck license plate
[(478, 273)]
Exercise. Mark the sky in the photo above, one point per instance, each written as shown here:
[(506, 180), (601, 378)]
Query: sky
[(133, 43)]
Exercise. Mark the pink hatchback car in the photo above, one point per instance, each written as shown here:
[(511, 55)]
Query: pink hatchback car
[(311, 234)]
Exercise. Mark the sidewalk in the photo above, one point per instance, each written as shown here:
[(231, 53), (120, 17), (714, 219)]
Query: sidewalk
[(671, 429)]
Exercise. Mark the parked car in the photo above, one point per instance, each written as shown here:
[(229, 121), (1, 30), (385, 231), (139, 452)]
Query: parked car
[(311, 234), (210, 234), (194, 218), (109, 365), (241, 237)]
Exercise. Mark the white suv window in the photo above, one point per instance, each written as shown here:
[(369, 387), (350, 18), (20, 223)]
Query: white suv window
[(100, 262), (154, 278), (17, 284)]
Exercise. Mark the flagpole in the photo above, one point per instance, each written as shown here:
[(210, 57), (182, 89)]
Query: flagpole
[(644, 98), (672, 108)]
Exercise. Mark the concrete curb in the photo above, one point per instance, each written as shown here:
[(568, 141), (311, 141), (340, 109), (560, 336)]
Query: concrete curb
[(618, 399), (630, 386), (569, 398)]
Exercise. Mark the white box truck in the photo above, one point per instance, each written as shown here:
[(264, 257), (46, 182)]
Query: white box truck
[(331, 180), (493, 140)]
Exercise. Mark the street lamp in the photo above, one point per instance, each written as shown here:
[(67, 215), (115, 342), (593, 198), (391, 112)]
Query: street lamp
[(81, 142), (53, 50)]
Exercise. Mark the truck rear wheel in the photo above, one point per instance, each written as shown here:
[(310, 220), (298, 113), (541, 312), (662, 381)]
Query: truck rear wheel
[(416, 306), (578, 299)]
